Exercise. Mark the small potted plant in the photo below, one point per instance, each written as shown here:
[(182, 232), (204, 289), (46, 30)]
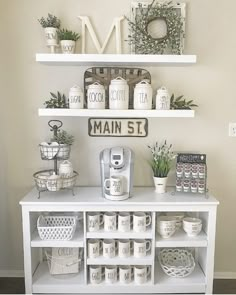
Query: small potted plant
[(180, 103), (67, 40), (162, 157), (65, 141), (57, 101), (50, 24)]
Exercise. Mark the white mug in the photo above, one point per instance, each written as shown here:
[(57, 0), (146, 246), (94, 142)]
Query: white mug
[(95, 274), (116, 185), (95, 219), (110, 274), (110, 221), (109, 248), (94, 248), (124, 248), (141, 274), (125, 274), (124, 221), (141, 220), (141, 247)]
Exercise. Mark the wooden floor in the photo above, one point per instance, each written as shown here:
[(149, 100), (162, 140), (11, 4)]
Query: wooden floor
[(16, 286)]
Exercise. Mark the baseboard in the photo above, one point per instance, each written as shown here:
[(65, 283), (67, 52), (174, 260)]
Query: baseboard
[(11, 273), (225, 275)]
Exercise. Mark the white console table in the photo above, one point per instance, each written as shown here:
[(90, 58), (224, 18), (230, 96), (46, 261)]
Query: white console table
[(87, 199)]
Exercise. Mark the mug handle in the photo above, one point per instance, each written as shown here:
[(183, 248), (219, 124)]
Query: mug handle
[(131, 245), (100, 246), (101, 219), (148, 220), (148, 246), (105, 184), (148, 271)]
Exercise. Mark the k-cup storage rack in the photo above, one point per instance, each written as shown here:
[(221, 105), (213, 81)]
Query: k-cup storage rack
[(87, 200)]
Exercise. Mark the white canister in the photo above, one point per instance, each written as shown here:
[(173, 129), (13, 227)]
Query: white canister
[(76, 98), (66, 169), (162, 99), (143, 96), (119, 94), (96, 96)]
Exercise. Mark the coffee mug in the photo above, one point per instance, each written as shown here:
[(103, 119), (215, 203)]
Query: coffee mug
[(110, 274), (125, 274), (141, 220), (141, 247), (109, 248), (115, 185), (124, 248), (94, 248), (110, 221), (95, 274), (95, 220), (141, 274), (124, 221)]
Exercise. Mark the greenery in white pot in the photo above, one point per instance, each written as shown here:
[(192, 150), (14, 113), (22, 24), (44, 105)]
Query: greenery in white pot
[(65, 140), (67, 39), (162, 159), (50, 24)]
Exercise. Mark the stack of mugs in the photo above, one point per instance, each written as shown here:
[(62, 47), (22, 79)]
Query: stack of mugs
[(124, 274), (192, 226), (166, 226), (122, 221)]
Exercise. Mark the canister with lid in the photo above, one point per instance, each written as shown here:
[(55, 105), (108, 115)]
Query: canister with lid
[(76, 98), (162, 99), (119, 94), (96, 96), (143, 96)]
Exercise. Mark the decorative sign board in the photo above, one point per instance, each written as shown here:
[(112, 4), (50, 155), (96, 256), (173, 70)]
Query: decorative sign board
[(118, 127), (192, 158)]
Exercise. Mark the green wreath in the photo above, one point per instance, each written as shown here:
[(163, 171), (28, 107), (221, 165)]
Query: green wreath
[(143, 42)]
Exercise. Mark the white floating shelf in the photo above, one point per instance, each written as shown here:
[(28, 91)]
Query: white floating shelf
[(77, 241), (181, 239), (116, 113), (147, 260), (101, 234), (115, 59)]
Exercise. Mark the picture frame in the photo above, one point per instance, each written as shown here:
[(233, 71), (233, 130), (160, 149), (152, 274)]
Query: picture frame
[(173, 15)]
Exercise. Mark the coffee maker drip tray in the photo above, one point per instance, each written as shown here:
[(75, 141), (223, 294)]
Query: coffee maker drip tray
[(117, 198)]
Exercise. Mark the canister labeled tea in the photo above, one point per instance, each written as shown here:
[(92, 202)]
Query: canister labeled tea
[(96, 96), (76, 98), (119, 94), (143, 96)]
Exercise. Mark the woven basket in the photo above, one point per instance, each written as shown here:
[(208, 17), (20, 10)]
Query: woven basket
[(50, 152), (177, 263), (60, 228)]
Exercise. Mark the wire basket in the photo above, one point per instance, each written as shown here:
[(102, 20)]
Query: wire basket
[(60, 228), (64, 260), (54, 150), (177, 263), (43, 182)]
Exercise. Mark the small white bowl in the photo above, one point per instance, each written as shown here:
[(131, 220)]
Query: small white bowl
[(191, 221)]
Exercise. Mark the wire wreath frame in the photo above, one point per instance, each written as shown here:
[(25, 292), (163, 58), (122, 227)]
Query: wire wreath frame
[(141, 40)]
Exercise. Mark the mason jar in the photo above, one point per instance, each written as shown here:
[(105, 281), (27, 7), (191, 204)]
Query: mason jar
[(96, 96), (119, 94), (76, 98), (143, 96)]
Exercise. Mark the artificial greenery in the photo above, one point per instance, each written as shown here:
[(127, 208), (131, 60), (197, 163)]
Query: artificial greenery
[(143, 42), (51, 21), (63, 137), (162, 157), (64, 34), (181, 103), (57, 101)]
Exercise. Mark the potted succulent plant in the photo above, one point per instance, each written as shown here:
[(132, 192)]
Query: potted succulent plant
[(67, 40), (50, 24), (65, 141), (180, 103), (162, 157)]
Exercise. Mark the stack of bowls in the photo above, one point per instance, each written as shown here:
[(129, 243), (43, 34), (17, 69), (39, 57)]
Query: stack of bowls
[(166, 226), (179, 216), (192, 226)]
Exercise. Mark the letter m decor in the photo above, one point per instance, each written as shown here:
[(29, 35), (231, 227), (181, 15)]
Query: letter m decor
[(100, 49)]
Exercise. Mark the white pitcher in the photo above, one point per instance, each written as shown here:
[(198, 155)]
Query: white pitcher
[(119, 94), (143, 96), (162, 99)]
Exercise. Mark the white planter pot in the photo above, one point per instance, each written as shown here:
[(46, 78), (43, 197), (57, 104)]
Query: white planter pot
[(119, 94), (67, 46), (76, 98), (51, 36), (160, 184), (143, 96)]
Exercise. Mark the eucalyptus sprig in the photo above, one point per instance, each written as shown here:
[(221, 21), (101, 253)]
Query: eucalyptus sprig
[(57, 101), (64, 34), (50, 22), (162, 158), (181, 103)]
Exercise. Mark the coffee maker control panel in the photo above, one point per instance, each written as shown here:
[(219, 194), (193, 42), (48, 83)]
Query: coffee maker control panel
[(117, 157)]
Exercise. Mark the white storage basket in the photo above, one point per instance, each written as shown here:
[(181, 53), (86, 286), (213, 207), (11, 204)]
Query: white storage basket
[(177, 263), (58, 228), (64, 260)]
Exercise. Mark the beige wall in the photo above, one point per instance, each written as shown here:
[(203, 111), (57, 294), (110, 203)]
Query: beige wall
[(25, 85)]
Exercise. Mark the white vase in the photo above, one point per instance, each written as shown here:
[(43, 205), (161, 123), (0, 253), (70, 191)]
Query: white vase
[(67, 46), (160, 184), (51, 36)]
